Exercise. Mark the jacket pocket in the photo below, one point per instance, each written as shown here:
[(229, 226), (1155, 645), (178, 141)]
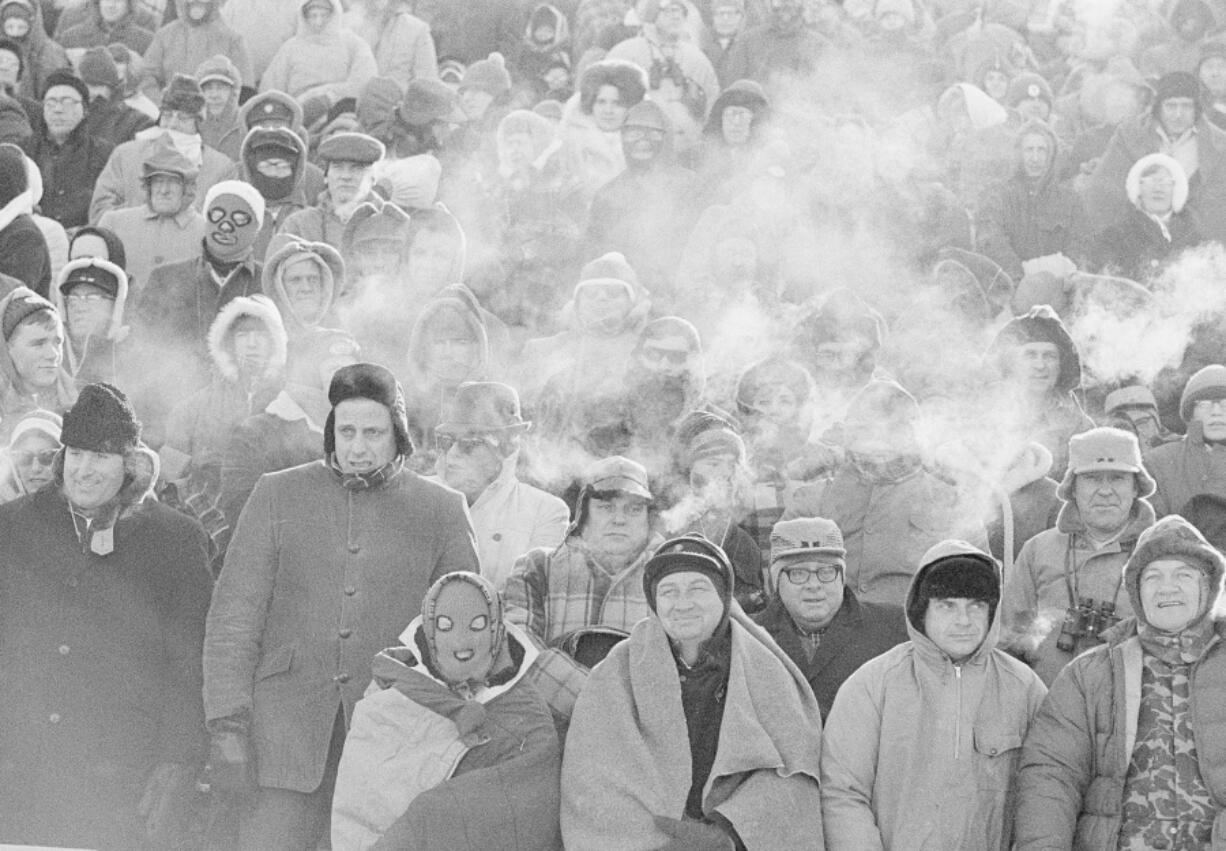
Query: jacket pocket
[(996, 756), (276, 662)]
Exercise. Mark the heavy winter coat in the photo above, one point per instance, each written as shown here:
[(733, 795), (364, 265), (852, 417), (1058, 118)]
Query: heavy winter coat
[(628, 761), (101, 661), (1185, 468), (40, 54), (334, 64), (859, 632), (69, 171), (94, 32), (317, 579), (1074, 766), (1036, 595), (1135, 246), (113, 121), (23, 248), (425, 768), (919, 754), (181, 46), (151, 240), (121, 182), (401, 43)]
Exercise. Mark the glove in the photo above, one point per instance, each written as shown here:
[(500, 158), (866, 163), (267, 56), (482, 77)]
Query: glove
[(231, 761), (690, 835), (163, 804)]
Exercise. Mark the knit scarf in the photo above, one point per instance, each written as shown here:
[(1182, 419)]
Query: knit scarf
[(369, 480), (1185, 646)]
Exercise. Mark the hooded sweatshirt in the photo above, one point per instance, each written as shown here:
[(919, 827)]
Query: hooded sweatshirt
[(181, 46), (919, 752), (331, 272), (334, 63)]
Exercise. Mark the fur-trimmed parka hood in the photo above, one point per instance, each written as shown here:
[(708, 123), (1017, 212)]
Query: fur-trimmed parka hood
[(261, 308)]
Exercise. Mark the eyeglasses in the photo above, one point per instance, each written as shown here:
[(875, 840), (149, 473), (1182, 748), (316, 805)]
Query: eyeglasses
[(62, 103), (467, 445), (1210, 405), (27, 459), (89, 298), (826, 574), (673, 356)]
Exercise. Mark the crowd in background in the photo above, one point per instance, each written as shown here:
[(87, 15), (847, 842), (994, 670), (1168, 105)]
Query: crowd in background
[(896, 328)]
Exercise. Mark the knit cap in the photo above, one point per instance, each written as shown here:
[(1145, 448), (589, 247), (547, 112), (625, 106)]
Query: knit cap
[(689, 553), (98, 68), (611, 268), (102, 420), (1206, 383), (218, 68), (426, 101), (815, 537), (1177, 84), (953, 570), (490, 75), (22, 303)]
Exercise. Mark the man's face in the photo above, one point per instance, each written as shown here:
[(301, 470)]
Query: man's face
[(689, 606), (1211, 414), (165, 194), (37, 349), (957, 625), (112, 11), (451, 358), (602, 304), (671, 22), (63, 110), (518, 151), (1105, 499), (364, 437), (10, 68), (1171, 593), (1037, 366), (216, 96), (463, 634), (233, 227), (251, 344), (33, 456), (811, 589), (666, 356), (469, 462), (1036, 155), (1157, 191), (713, 472), (431, 258), (304, 289), (726, 21), (91, 479), (180, 121), (197, 10), (1213, 74), (1177, 115), (317, 18), (346, 180), (89, 311), (607, 108), (737, 125), (475, 102), (617, 527), (17, 27)]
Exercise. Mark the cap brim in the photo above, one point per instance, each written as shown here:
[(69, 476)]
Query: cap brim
[(621, 484), (222, 78), (832, 552)]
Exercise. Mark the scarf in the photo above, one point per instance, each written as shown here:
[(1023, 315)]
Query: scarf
[(877, 471), (1185, 646), (369, 480)]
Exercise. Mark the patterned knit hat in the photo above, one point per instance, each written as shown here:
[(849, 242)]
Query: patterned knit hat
[(1206, 384)]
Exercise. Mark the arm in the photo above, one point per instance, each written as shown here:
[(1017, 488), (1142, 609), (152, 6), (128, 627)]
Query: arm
[(849, 767), (991, 237), (459, 541), (153, 75), (235, 626), (109, 188)]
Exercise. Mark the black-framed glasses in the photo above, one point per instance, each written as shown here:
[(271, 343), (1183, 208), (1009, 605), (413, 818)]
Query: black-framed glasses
[(826, 574)]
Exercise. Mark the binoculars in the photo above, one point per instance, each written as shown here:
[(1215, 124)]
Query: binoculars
[(1084, 623)]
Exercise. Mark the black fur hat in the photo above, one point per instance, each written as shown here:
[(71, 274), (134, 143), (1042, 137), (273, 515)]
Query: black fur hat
[(374, 382)]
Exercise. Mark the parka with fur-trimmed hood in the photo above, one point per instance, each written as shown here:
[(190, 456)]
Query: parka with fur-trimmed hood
[(919, 751), (333, 64), (97, 359), (332, 276), (181, 46), (40, 55)]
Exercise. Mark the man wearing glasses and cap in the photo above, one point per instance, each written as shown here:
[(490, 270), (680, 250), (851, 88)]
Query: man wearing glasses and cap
[(814, 617)]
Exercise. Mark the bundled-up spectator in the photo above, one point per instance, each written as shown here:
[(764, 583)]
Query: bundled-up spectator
[(31, 371), (728, 21), (891, 508), (477, 443), (221, 128), (303, 279), (15, 107), (27, 463), (459, 674), (1033, 216), (197, 34), (1196, 464), (103, 745), (542, 66), (1191, 21), (1134, 408), (734, 130), (91, 295), (323, 63), (108, 116), (814, 617), (1177, 126), (1156, 227), (265, 26), (1123, 753), (121, 182), (167, 228), (22, 24), (669, 747), (676, 67), (123, 16), (783, 46), (274, 161), (936, 723), (328, 562), (107, 22), (592, 120), (23, 249), (1065, 588), (69, 156), (400, 41), (348, 160), (277, 110)]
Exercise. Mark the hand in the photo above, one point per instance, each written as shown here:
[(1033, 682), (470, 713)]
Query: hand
[(231, 761), (690, 835), (162, 804)]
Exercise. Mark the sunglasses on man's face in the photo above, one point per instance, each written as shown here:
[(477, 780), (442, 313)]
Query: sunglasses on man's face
[(466, 445)]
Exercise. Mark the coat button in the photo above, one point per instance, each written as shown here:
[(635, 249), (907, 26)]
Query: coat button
[(992, 752), (345, 633), (350, 590), (54, 718), (497, 536), (63, 649), (158, 260), (341, 678)]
